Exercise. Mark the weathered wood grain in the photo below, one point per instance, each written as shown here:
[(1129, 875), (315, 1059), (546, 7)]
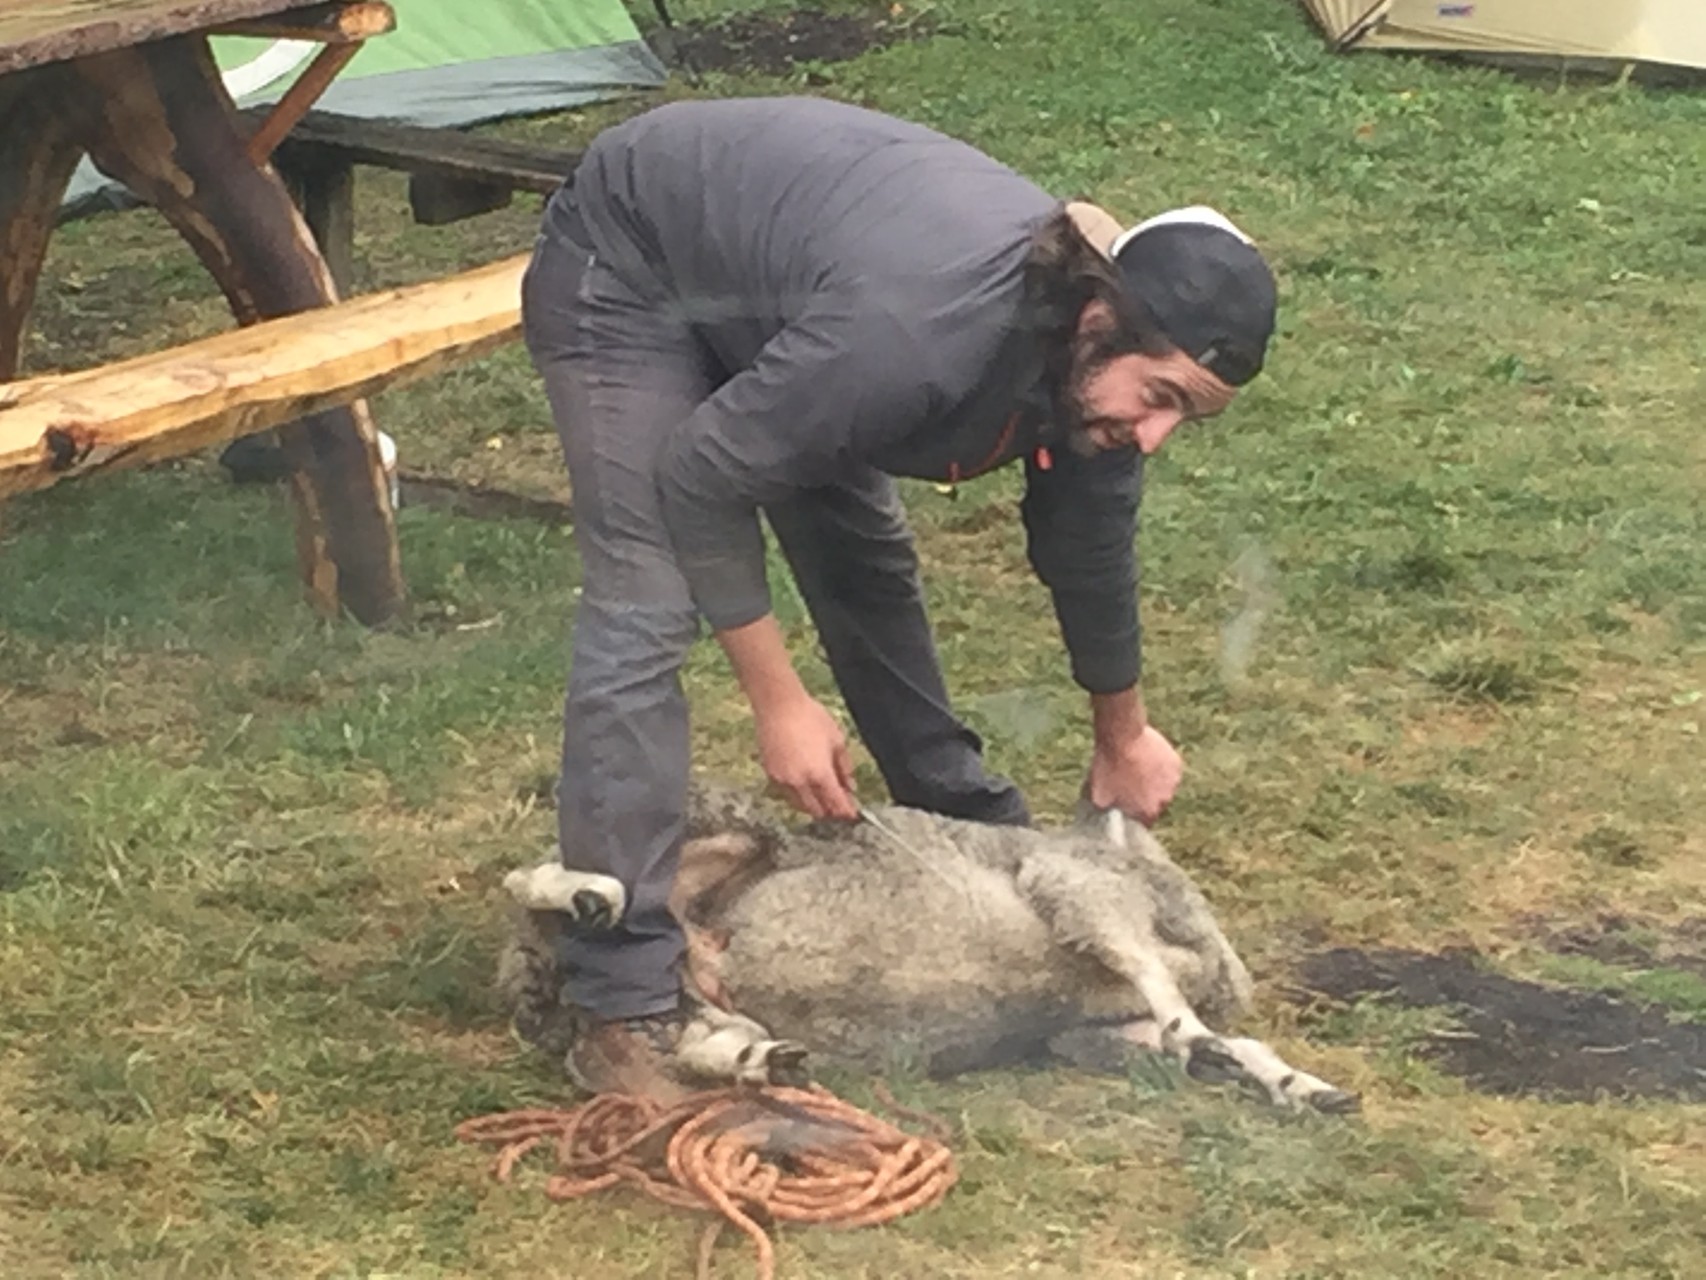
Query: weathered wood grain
[(37, 31), (37, 154)]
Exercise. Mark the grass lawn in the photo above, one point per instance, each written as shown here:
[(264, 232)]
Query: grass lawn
[(1426, 612)]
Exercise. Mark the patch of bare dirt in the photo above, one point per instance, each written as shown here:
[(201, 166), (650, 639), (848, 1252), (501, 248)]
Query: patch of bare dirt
[(140, 700), (1618, 940), (481, 501), (775, 44), (1525, 1039)]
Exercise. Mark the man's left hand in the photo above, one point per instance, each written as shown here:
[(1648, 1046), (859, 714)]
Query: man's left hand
[(1136, 775)]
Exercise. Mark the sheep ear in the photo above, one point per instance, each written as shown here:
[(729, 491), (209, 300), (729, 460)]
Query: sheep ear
[(1116, 827), (1103, 824)]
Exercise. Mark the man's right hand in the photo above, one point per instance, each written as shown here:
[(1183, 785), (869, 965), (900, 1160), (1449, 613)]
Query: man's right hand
[(802, 748), (1138, 778), (1134, 768), (804, 754)]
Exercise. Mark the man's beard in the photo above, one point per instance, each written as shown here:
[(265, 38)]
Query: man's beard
[(1078, 439), (1091, 353)]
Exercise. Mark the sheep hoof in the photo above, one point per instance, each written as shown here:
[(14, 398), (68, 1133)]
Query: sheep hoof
[(1210, 1062), (785, 1064), (1335, 1102), (591, 911)]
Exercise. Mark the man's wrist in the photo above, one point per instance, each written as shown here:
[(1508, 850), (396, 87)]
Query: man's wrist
[(1118, 719), (761, 664)]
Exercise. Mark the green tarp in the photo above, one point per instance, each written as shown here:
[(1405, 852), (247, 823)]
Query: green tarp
[(457, 62)]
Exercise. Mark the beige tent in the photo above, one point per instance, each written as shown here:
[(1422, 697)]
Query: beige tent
[(1665, 32)]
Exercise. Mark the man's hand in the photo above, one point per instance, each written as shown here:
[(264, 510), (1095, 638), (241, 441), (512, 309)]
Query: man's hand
[(1137, 777), (1134, 768), (804, 752), (802, 748)]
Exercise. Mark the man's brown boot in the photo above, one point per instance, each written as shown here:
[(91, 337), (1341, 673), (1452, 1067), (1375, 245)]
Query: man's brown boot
[(629, 1056)]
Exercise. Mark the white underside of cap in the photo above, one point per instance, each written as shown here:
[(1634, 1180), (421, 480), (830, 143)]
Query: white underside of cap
[(1198, 214)]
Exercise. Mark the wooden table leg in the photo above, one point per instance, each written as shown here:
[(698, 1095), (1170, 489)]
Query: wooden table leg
[(157, 118), (325, 192), (37, 156)]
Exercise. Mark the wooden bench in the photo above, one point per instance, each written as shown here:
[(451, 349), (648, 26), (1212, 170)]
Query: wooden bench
[(452, 174), (428, 155), (169, 403)]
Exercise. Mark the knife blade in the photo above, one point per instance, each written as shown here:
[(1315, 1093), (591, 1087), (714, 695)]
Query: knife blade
[(906, 846)]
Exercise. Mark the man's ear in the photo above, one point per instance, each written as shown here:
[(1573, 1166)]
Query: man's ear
[(1097, 317)]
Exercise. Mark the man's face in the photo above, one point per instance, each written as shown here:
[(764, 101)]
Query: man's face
[(1126, 401)]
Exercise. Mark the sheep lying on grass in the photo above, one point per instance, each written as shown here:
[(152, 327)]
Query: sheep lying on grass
[(957, 945)]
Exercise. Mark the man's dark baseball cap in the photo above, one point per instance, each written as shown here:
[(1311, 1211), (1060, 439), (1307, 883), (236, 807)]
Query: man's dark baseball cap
[(1207, 286)]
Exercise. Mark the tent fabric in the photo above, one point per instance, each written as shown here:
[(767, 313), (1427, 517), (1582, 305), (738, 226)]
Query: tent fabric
[(451, 63), (448, 64), (451, 95), (1662, 32)]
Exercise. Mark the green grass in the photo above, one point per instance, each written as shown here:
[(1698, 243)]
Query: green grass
[(1426, 612)]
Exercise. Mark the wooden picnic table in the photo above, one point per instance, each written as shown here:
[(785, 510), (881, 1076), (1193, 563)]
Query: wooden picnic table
[(133, 84)]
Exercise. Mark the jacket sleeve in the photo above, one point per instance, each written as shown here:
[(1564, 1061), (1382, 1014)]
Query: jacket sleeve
[(1081, 534), (824, 393)]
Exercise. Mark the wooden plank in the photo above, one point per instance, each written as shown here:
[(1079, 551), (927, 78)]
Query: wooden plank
[(174, 402), (348, 22), (37, 31), (448, 152), (301, 95)]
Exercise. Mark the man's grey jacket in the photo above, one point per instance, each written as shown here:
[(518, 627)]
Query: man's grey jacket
[(860, 282)]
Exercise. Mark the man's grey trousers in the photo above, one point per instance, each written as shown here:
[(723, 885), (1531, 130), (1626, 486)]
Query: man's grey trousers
[(621, 374)]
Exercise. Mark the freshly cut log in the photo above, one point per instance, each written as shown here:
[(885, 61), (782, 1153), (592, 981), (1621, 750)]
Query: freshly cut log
[(173, 402)]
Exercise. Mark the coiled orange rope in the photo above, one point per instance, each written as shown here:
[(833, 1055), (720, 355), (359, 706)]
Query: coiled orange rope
[(752, 1156)]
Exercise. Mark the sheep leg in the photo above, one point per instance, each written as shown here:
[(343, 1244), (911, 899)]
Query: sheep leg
[(1097, 912), (587, 900), (711, 868), (727, 1048)]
